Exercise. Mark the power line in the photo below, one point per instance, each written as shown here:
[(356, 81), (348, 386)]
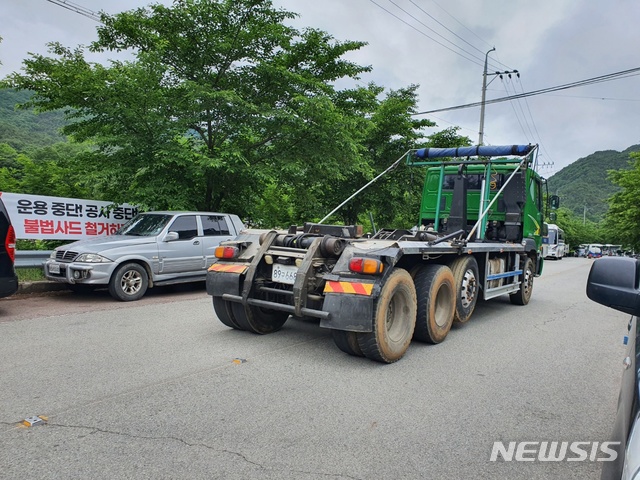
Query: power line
[(451, 31), (464, 26), (599, 98), (515, 112), (424, 34), (432, 30), (540, 142), (77, 8), (590, 81)]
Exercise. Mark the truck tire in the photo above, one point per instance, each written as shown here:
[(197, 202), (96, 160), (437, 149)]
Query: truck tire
[(465, 275), (223, 312), (129, 282), (258, 320), (522, 296), (347, 342), (394, 320), (436, 290)]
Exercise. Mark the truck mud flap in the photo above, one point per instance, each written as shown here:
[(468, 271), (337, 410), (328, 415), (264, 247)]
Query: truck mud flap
[(353, 313), (219, 283)]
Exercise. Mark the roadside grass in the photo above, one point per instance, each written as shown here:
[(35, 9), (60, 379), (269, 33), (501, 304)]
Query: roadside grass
[(30, 274)]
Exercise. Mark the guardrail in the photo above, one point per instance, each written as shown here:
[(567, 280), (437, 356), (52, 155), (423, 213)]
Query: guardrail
[(31, 258)]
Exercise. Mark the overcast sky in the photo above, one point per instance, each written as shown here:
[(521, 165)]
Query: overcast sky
[(550, 42)]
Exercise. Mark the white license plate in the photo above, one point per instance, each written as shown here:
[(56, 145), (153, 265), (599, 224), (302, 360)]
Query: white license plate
[(54, 268), (284, 273)]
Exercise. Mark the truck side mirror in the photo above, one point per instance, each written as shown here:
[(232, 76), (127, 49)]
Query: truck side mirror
[(554, 202), (553, 216)]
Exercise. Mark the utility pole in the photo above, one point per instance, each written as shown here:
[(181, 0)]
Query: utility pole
[(484, 96), (484, 91)]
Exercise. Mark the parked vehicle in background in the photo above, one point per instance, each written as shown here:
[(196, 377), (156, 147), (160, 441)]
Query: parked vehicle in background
[(610, 250), (612, 282), (8, 277), (594, 250), (154, 248), (555, 243)]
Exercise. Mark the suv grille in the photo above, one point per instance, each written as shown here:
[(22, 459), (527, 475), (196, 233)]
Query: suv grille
[(66, 255)]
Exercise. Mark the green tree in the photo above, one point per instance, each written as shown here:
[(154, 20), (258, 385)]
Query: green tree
[(52, 170), (221, 98), (623, 217), (577, 231)]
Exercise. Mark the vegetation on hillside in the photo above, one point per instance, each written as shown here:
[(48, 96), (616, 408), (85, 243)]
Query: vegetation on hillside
[(26, 129), (584, 187)]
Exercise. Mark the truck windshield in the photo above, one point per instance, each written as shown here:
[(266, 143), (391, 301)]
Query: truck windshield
[(145, 225)]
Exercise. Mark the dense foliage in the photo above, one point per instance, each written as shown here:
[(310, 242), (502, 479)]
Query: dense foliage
[(623, 218)]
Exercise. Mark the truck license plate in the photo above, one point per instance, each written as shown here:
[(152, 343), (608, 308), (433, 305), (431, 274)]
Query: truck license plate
[(54, 268), (284, 273)]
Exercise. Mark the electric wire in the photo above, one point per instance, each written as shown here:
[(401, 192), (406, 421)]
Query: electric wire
[(462, 24), (77, 8), (535, 127), (435, 32), (590, 81), (515, 112), (473, 60), (455, 34)]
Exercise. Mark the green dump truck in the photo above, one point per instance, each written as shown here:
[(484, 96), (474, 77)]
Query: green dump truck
[(479, 236)]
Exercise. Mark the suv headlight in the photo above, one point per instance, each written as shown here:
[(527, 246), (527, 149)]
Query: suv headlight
[(53, 254), (91, 258)]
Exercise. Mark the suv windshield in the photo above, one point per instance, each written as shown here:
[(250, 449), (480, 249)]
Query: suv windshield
[(145, 225)]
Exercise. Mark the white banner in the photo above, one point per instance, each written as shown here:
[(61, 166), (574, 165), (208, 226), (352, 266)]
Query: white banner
[(57, 218)]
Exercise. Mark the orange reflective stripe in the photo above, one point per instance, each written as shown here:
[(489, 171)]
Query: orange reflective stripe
[(228, 268), (348, 287)]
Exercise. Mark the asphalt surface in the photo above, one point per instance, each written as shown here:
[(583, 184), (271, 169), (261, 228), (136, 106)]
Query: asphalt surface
[(161, 389)]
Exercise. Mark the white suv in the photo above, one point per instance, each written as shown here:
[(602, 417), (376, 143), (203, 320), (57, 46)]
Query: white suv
[(154, 248)]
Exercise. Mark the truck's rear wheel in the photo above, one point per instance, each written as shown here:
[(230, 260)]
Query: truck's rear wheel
[(465, 275), (347, 342), (522, 296), (224, 313), (258, 320), (393, 320), (436, 290)]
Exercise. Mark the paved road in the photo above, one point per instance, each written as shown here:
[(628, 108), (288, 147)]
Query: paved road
[(151, 390)]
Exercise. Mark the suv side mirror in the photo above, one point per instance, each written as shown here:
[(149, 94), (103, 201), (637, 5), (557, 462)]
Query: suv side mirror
[(612, 283), (171, 237)]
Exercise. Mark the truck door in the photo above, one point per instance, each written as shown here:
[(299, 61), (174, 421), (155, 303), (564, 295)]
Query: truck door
[(216, 229)]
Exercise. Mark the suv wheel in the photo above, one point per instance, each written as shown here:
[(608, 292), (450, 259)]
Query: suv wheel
[(129, 282)]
